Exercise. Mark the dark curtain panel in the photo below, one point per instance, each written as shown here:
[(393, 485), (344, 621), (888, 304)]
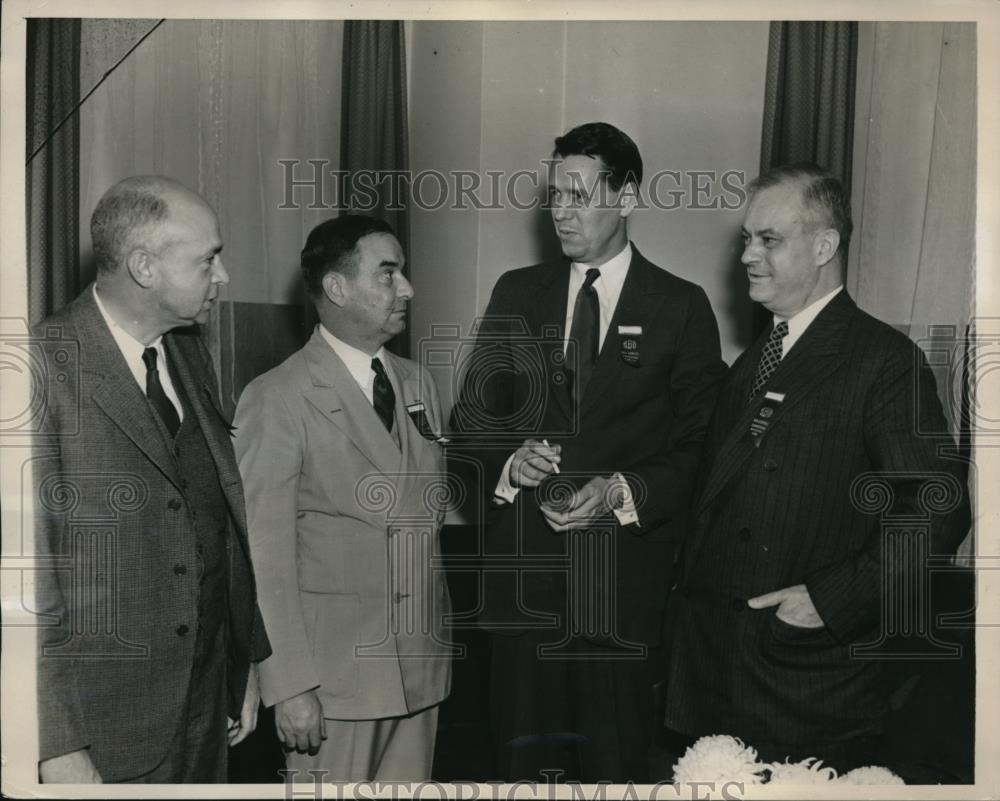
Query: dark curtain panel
[(52, 177), (374, 127), (809, 101), (809, 95)]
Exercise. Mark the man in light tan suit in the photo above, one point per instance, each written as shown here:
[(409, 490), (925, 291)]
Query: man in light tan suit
[(342, 466)]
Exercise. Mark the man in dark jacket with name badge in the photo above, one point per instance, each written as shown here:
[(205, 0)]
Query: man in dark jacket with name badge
[(587, 397)]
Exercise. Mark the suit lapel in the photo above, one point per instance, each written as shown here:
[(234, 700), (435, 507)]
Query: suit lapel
[(337, 396), (550, 325), (405, 393), (212, 423), (116, 392), (633, 308), (415, 468), (733, 424), (815, 356)]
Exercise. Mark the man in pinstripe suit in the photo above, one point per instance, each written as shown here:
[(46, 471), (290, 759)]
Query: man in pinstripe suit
[(785, 573)]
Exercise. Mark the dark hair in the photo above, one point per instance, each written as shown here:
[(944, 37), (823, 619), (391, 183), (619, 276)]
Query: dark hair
[(822, 195), (123, 214), (333, 244), (613, 147)]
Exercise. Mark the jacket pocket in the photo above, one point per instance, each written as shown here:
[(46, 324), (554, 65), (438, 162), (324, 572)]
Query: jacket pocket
[(798, 647)]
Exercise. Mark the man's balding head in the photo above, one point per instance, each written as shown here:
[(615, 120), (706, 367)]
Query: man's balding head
[(132, 214), (158, 247)]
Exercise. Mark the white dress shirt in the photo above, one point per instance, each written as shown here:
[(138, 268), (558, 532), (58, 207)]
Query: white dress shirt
[(131, 348), (798, 323), (609, 289), (358, 363)]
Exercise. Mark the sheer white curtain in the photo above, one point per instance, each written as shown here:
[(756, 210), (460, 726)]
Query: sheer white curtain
[(217, 104), (912, 259)]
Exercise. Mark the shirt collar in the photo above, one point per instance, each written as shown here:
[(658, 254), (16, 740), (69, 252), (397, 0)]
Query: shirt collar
[(130, 347), (117, 330), (357, 362), (612, 271), (799, 322)]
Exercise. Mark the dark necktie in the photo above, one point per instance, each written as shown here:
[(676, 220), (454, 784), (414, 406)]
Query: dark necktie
[(770, 358), (383, 398), (156, 395), (586, 331)]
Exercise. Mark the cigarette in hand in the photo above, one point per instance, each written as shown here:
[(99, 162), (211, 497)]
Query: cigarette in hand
[(555, 467)]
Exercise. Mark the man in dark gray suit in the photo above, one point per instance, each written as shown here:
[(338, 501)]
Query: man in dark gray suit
[(150, 622), (586, 445), (777, 610)]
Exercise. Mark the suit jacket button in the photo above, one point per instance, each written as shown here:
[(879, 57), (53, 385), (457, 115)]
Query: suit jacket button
[(182, 630), (745, 533), (180, 570), (173, 504), (770, 465)]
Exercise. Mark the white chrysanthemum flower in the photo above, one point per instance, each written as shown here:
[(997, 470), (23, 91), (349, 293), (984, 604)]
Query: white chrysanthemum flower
[(716, 758), (808, 771), (870, 775)]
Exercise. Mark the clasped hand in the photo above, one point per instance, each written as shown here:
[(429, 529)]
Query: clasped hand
[(593, 501), (535, 461)]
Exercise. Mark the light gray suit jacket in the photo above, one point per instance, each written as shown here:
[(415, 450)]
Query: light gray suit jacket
[(344, 530)]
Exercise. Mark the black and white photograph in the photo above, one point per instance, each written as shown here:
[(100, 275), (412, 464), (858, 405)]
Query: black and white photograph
[(499, 400)]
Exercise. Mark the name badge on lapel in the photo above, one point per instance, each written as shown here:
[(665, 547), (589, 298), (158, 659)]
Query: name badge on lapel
[(629, 337), (418, 414), (765, 414)]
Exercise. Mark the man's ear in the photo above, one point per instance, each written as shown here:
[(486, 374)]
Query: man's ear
[(825, 246), (628, 199), (139, 263), (333, 288)]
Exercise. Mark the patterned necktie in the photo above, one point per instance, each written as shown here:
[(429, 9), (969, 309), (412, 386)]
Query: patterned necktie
[(770, 358), (585, 330), (156, 395), (383, 397)]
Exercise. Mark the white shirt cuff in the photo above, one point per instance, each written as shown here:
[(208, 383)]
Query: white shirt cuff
[(627, 514), (505, 491)]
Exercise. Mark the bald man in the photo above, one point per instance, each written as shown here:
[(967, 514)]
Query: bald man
[(151, 627)]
